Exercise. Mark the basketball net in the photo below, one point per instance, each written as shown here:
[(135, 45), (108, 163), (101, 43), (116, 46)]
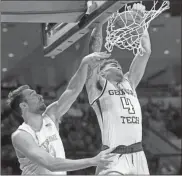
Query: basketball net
[(129, 36)]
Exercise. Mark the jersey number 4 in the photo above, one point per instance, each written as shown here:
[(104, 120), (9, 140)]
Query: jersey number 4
[(126, 102)]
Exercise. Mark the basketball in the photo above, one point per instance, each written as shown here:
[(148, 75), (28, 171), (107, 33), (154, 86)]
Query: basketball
[(132, 21), (127, 18)]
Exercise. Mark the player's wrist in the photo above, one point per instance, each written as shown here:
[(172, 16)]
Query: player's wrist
[(93, 161), (85, 61)]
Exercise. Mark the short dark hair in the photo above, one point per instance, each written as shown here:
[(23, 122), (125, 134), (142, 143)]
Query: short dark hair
[(106, 62), (15, 98)]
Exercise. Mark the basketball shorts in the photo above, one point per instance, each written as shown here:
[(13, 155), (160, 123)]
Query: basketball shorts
[(124, 164)]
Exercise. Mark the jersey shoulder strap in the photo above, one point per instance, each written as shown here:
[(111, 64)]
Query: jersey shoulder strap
[(100, 93), (95, 87)]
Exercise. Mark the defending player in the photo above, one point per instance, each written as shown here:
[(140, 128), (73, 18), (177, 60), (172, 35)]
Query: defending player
[(37, 142), (112, 94)]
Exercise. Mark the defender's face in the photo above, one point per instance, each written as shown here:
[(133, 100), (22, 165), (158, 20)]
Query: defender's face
[(35, 102), (113, 71)]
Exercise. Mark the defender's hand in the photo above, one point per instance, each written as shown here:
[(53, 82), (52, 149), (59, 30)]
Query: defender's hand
[(95, 58), (104, 158)]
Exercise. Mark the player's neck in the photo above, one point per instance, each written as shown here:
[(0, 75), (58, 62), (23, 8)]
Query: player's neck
[(114, 82), (33, 120)]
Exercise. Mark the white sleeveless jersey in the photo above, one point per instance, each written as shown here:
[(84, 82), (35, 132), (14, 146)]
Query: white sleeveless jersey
[(119, 114), (48, 139)]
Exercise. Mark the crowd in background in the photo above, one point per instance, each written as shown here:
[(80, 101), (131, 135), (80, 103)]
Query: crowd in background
[(81, 134)]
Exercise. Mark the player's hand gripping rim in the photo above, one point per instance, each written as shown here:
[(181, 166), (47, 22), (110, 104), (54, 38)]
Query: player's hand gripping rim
[(138, 8)]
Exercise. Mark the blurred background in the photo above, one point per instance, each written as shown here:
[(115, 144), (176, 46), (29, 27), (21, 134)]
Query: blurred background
[(159, 92)]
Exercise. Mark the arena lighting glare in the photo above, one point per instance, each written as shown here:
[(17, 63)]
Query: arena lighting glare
[(52, 57), (177, 40), (10, 55), (5, 29), (25, 43), (4, 69), (166, 52), (154, 29)]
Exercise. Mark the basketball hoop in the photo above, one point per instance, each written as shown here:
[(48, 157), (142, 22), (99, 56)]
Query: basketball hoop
[(129, 36)]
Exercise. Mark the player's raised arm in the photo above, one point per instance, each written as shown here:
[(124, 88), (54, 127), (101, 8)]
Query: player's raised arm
[(25, 144), (96, 39), (95, 45), (138, 65), (75, 86)]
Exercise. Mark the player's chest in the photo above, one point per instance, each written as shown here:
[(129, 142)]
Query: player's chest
[(121, 92), (48, 139), (47, 135), (121, 96)]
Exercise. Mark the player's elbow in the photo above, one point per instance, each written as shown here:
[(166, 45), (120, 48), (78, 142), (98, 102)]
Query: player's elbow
[(46, 162), (50, 166), (55, 166)]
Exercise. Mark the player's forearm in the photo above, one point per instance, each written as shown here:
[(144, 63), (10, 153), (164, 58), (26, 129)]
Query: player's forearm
[(78, 80), (96, 39), (137, 68), (75, 86), (139, 63), (70, 165), (146, 43)]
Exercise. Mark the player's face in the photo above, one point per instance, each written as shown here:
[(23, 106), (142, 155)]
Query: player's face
[(113, 71), (35, 102)]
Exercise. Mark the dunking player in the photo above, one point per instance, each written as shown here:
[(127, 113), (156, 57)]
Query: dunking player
[(112, 94), (37, 142)]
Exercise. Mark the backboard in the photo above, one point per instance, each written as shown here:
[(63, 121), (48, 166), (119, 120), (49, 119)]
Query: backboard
[(59, 19), (58, 37)]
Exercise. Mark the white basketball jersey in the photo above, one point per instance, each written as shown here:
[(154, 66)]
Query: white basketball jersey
[(48, 139), (119, 114)]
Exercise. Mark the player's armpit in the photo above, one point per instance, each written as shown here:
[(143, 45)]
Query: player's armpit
[(126, 77)]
